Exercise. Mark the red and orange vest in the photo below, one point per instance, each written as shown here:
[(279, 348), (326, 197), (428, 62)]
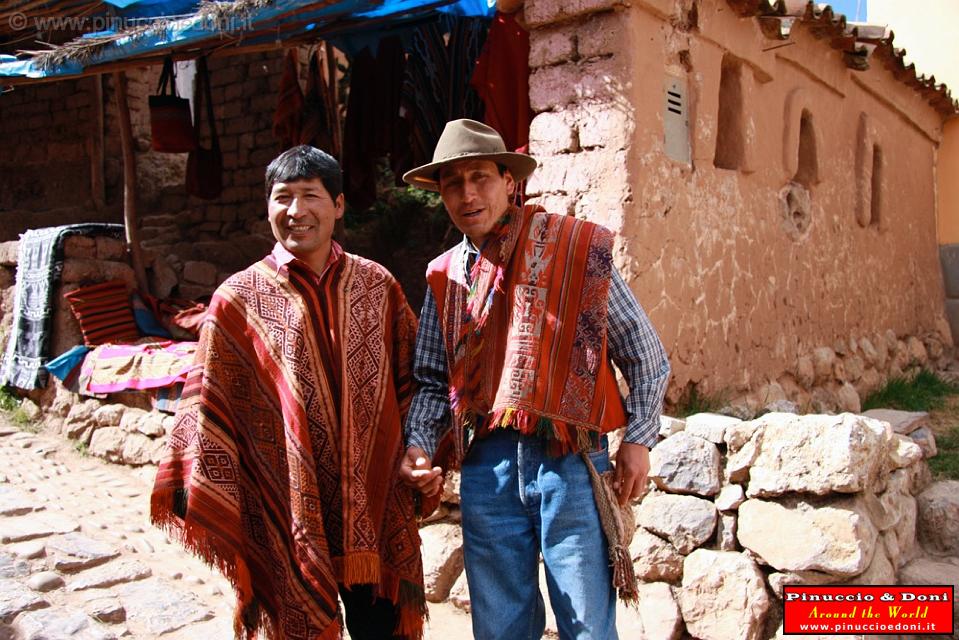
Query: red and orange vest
[(544, 363)]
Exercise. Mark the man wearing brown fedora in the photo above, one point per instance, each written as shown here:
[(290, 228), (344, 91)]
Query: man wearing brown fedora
[(514, 364)]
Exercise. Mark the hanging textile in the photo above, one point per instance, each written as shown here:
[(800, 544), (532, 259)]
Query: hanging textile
[(501, 79), (204, 165), (289, 106), (436, 87), (39, 264), (370, 130), (318, 120)]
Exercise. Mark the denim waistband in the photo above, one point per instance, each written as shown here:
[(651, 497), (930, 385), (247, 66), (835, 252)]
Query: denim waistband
[(532, 440)]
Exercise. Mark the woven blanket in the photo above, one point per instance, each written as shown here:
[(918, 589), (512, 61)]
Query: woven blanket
[(39, 264), (117, 367), (282, 469), (435, 84), (289, 106)]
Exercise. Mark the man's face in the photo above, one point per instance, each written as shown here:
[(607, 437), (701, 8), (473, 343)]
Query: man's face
[(302, 215), (476, 196)]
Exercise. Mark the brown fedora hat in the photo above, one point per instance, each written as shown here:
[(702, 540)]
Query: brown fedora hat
[(469, 140)]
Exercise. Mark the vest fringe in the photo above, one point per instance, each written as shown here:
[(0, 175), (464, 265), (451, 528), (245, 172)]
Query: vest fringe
[(561, 438)]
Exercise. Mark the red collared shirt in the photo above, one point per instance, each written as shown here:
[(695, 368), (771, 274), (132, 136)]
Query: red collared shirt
[(283, 257), (324, 307)]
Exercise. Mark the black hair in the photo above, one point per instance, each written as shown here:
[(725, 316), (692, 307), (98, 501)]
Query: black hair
[(304, 162)]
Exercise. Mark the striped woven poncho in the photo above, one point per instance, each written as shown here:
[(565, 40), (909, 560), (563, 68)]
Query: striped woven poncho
[(282, 465)]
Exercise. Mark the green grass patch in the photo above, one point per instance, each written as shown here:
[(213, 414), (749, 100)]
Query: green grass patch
[(10, 405), (945, 464), (8, 401), (19, 417), (694, 402), (81, 447), (925, 392)]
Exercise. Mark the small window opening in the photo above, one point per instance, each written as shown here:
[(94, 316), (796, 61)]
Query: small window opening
[(730, 135), (875, 213), (807, 170)]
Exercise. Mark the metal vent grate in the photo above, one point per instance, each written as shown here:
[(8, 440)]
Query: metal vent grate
[(674, 102), (676, 120)]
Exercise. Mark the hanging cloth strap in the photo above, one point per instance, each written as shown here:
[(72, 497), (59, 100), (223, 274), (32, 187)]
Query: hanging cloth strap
[(317, 122), (167, 84), (204, 166), (289, 106), (204, 94)]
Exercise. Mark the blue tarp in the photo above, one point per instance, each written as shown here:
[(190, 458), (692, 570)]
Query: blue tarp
[(172, 31), (144, 8)]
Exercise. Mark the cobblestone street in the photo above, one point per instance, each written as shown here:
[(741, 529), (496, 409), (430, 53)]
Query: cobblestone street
[(80, 560)]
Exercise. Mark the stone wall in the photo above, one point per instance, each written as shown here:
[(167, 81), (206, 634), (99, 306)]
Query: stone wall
[(839, 376), (121, 429), (752, 242), (40, 124), (738, 509)]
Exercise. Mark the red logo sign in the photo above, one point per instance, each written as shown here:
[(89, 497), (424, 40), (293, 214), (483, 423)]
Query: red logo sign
[(872, 609)]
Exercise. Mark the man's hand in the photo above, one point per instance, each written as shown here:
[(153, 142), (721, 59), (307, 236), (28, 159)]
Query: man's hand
[(632, 468), (415, 472)]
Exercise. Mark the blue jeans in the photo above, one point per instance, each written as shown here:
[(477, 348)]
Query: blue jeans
[(517, 502)]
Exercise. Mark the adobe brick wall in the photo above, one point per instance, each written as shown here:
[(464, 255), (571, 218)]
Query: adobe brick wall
[(46, 131), (742, 291)]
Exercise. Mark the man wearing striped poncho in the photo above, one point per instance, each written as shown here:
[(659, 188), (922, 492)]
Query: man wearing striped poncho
[(282, 464), (514, 355)]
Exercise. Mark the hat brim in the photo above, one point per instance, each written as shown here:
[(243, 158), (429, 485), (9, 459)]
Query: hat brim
[(426, 177)]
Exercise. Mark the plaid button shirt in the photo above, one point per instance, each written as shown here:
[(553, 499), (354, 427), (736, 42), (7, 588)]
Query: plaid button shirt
[(632, 343)]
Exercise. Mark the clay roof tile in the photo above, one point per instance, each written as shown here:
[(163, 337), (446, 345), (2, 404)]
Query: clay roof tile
[(858, 42)]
